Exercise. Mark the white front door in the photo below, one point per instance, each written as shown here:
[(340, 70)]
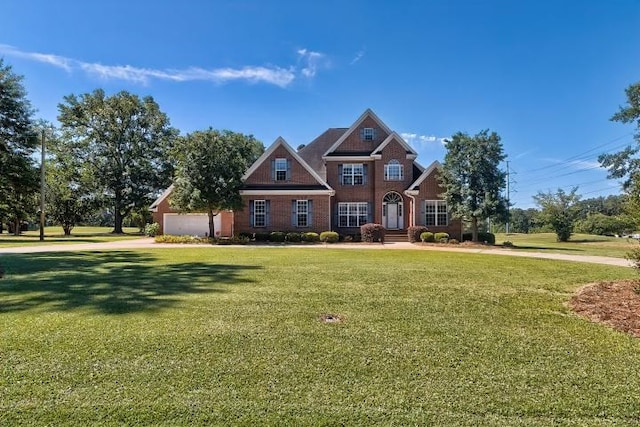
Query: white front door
[(392, 216)]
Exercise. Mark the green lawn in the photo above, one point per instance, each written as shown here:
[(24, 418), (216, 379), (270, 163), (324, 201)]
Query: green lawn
[(212, 335), (579, 244), (55, 235)]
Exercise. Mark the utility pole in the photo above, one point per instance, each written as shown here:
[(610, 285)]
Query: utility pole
[(508, 204), (42, 188)]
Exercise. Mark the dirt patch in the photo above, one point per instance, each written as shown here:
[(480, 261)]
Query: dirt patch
[(331, 318), (616, 304)]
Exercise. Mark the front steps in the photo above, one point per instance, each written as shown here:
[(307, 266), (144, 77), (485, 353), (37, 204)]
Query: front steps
[(396, 236)]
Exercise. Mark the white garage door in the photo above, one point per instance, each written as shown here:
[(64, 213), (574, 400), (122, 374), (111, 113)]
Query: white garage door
[(189, 224)]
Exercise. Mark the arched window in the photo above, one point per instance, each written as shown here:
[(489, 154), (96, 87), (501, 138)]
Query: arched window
[(392, 198), (394, 171)]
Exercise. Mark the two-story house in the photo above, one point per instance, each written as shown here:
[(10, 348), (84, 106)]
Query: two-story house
[(344, 178)]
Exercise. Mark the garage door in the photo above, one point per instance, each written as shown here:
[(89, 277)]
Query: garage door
[(189, 224)]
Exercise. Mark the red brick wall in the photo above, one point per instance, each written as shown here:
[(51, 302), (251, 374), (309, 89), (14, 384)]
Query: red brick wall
[(280, 214), (430, 190), (353, 142), (299, 175), (393, 151)]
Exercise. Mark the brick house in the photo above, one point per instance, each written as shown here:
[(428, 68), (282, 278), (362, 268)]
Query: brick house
[(344, 178)]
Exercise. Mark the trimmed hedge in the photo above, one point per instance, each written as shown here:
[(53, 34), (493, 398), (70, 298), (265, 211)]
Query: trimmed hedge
[(372, 233), (414, 232), (427, 237), (310, 236), (488, 238), (329, 237), (277, 236), (441, 237), (293, 237), (152, 230), (261, 237)]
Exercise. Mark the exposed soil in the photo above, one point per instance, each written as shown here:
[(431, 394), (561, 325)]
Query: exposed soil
[(616, 304)]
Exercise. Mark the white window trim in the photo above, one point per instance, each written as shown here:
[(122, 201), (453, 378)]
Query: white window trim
[(361, 210), (279, 162), (437, 204), (368, 134), (353, 174), (262, 214), (400, 175), (305, 203)]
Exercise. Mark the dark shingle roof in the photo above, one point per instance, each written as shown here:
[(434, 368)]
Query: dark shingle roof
[(312, 153)]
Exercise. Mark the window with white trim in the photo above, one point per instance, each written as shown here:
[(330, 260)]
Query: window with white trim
[(394, 171), (353, 174), (352, 214), (259, 213), (368, 134), (281, 169), (302, 213), (436, 213)]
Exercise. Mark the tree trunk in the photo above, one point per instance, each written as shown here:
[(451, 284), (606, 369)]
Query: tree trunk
[(117, 217), (474, 229), (16, 227), (212, 227), (67, 229)]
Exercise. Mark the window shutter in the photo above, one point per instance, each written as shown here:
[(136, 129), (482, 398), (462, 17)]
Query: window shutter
[(273, 170), (374, 133), (266, 209), (288, 169), (310, 213), (336, 223), (364, 173), (362, 134), (294, 222), (369, 212), (423, 212), (340, 175), (251, 213)]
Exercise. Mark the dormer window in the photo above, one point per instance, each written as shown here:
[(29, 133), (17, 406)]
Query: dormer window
[(368, 134)]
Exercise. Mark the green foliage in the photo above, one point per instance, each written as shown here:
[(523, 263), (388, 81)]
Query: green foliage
[(507, 244), (245, 235), (427, 237), (441, 237), (414, 233), (262, 236), (472, 181), (293, 237), (168, 238), (277, 236), (372, 233), (310, 236), (152, 230), (488, 238), (453, 241), (122, 143), (559, 210), (210, 165), (602, 225), (329, 237)]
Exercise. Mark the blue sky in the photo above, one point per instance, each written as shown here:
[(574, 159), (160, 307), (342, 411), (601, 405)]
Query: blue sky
[(546, 75)]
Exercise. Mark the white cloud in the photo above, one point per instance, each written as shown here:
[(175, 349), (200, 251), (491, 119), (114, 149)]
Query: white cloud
[(414, 138), (358, 57), (278, 76)]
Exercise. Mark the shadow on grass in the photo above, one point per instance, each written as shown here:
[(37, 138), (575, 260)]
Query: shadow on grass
[(116, 282), (547, 248)]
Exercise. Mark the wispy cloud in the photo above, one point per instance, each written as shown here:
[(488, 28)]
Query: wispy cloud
[(278, 76), (358, 57), (414, 138)]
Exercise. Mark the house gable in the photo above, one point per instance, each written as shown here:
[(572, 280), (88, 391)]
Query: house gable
[(367, 133), (428, 172), (281, 168), (396, 139)]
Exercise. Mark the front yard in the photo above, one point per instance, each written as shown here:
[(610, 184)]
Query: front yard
[(290, 336)]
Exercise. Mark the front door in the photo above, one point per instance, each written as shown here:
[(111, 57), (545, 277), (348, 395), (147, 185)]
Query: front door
[(392, 216)]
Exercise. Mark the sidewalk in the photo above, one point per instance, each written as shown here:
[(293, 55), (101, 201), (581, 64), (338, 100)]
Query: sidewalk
[(149, 243)]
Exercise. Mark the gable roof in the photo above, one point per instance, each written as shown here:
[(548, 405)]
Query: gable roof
[(391, 137), (280, 142), (312, 152), (368, 113), (160, 199), (428, 171)]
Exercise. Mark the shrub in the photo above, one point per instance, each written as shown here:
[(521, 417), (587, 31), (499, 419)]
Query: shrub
[(293, 237), (152, 230), (414, 232), (168, 238), (441, 237), (426, 237), (372, 233), (488, 238), (245, 235), (329, 237), (234, 240), (310, 236), (261, 237), (507, 244), (454, 242), (277, 236)]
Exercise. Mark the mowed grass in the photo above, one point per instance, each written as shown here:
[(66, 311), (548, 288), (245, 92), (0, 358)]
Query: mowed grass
[(227, 336), (55, 235), (579, 244)]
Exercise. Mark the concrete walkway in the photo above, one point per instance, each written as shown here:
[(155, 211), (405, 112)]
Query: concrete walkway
[(149, 243)]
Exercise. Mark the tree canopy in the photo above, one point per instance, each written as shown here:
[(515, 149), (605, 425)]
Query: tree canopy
[(472, 179), (209, 171), (123, 143), (560, 211)]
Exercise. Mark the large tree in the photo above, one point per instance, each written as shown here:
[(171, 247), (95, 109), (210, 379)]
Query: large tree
[(123, 142), (472, 179), (560, 211), (17, 142), (209, 171)]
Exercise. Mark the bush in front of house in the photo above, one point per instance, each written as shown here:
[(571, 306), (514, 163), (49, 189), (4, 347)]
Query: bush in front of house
[(310, 236), (441, 237), (245, 235), (152, 230), (293, 237), (414, 232), (372, 233), (168, 238), (329, 237), (488, 238), (261, 237), (277, 236), (427, 237)]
